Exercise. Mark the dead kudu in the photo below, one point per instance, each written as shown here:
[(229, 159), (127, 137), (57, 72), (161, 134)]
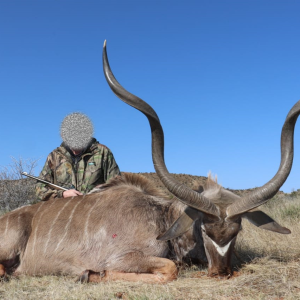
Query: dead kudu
[(126, 229)]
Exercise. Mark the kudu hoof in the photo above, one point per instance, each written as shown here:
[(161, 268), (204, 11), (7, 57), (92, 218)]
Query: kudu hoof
[(90, 276), (83, 277)]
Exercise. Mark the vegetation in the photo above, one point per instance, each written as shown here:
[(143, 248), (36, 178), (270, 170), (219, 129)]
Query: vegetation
[(267, 264), (15, 191)]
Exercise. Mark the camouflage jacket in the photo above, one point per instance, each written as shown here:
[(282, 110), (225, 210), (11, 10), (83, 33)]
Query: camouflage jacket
[(95, 166)]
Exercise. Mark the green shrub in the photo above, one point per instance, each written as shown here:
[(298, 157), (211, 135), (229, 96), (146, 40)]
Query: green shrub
[(291, 212)]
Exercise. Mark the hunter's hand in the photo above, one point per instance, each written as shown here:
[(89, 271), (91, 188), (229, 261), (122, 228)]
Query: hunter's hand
[(71, 193)]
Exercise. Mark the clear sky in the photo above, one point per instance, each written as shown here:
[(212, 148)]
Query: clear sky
[(221, 75)]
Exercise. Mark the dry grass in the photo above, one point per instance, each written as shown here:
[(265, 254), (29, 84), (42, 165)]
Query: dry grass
[(263, 278), (270, 269)]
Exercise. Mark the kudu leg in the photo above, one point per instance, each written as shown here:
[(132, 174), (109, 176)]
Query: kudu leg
[(148, 269), (2, 271)]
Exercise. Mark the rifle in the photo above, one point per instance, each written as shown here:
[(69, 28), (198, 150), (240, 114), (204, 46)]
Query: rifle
[(54, 186)]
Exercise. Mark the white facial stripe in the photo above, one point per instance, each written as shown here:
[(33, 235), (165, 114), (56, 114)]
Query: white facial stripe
[(221, 250)]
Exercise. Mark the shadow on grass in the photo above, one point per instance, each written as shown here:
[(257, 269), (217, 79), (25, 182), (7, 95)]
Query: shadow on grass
[(241, 257)]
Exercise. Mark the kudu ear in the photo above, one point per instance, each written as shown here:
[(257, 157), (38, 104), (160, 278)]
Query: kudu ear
[(263, 221), (181, 225)]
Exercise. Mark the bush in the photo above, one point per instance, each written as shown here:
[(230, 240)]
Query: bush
[(291, 212), (15, 191)]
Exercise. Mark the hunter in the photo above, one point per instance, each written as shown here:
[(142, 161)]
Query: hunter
[(79, 164)]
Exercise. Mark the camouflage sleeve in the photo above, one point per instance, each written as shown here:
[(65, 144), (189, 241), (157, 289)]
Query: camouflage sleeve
[(42, 191), (111, 168)]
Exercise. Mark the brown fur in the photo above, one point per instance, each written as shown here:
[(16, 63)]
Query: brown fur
[(130, 179), (114, 229)]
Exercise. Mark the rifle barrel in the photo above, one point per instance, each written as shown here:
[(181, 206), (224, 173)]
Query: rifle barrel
[(46, 182)]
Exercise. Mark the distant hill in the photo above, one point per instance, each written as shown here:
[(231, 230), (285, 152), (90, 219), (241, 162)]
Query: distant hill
[(15, 193), (191, 181)]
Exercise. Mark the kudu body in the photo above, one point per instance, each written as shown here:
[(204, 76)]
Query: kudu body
[(111, 229), (128, 230)]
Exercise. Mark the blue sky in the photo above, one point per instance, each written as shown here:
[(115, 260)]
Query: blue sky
[(221, 75)]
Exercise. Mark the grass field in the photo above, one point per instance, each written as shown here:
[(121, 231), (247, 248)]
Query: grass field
[(267, 265)]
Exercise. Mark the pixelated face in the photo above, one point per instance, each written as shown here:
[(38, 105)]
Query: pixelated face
[(76, 130)]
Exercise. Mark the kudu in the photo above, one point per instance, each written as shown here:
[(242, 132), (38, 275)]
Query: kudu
[(126, 229)]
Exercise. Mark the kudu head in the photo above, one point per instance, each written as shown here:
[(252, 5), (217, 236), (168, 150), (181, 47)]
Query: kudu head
[(219, 210)]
